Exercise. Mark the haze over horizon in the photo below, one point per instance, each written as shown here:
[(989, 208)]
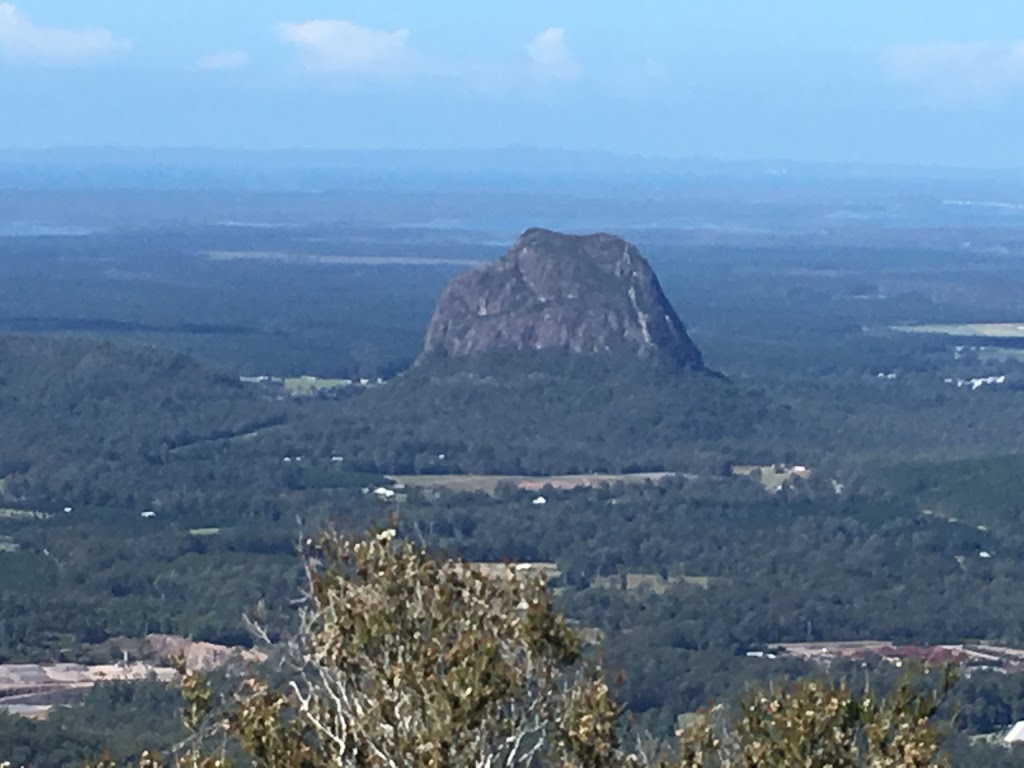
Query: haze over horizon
[(918, 84)]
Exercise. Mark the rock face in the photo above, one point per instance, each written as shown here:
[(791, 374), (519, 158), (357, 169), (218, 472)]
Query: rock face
[(587, 294)]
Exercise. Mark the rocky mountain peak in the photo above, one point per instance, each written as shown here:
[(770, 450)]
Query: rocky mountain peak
[(586, 294)]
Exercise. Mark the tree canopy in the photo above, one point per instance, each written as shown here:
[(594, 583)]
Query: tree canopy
[(404, 658)]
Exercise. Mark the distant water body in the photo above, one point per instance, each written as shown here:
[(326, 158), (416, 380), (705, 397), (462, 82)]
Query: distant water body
[(32, 229)]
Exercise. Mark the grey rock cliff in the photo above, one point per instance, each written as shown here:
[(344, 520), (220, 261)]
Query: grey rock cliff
[(586, 294)]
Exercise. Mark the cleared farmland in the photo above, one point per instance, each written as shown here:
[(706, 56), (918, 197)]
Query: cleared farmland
[(982, 330), (490, 483), (653, 582), (771, 477)]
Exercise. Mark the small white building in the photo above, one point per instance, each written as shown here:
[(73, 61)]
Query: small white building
[(149, 513), (384, 493), (1016, 734), (539, 501), (978, 382)]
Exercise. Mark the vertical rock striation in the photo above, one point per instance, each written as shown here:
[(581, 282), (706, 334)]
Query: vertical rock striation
[(585, 294)]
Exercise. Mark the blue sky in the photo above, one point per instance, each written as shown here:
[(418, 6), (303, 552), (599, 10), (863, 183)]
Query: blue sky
[(923, 82)]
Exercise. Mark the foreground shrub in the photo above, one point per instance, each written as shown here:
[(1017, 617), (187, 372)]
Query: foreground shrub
[(405, 660)]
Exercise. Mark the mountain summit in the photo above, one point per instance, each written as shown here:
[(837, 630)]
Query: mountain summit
[(585, 294)]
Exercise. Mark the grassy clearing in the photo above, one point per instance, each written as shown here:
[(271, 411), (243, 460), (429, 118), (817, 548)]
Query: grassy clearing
[(652, 582), (249, 435), (772, 477), (203, 531), (7, 544), (984, 330), (490, 483), (305, 386)]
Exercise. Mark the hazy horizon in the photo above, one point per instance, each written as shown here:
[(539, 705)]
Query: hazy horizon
[(538, 162), (919, 84)]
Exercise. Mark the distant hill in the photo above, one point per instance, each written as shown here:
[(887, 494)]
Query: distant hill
[(581, 294), (71, 397), (985, 491)]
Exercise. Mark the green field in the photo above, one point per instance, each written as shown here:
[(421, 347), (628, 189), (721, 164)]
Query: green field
[(305, 386), (203, 531), (982, 330), (490, 483)]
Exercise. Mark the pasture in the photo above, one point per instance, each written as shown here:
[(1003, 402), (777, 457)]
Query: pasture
[(490, 483), (982, 330), (307, 386)]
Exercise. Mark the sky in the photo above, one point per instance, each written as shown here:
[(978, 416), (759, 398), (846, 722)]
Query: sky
[(914, 82)]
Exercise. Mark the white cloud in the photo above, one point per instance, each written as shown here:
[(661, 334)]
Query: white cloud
[(223, 60), (551, 56), (958, 72), (341, 46), (22, 39)]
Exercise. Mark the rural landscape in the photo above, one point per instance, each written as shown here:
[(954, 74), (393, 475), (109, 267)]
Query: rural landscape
[(448, 385), (807, 493)]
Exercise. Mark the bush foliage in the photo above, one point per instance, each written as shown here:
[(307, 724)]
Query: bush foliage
[(405, 659)]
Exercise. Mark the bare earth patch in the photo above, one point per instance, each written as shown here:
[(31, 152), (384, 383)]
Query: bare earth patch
[(32, 690)]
